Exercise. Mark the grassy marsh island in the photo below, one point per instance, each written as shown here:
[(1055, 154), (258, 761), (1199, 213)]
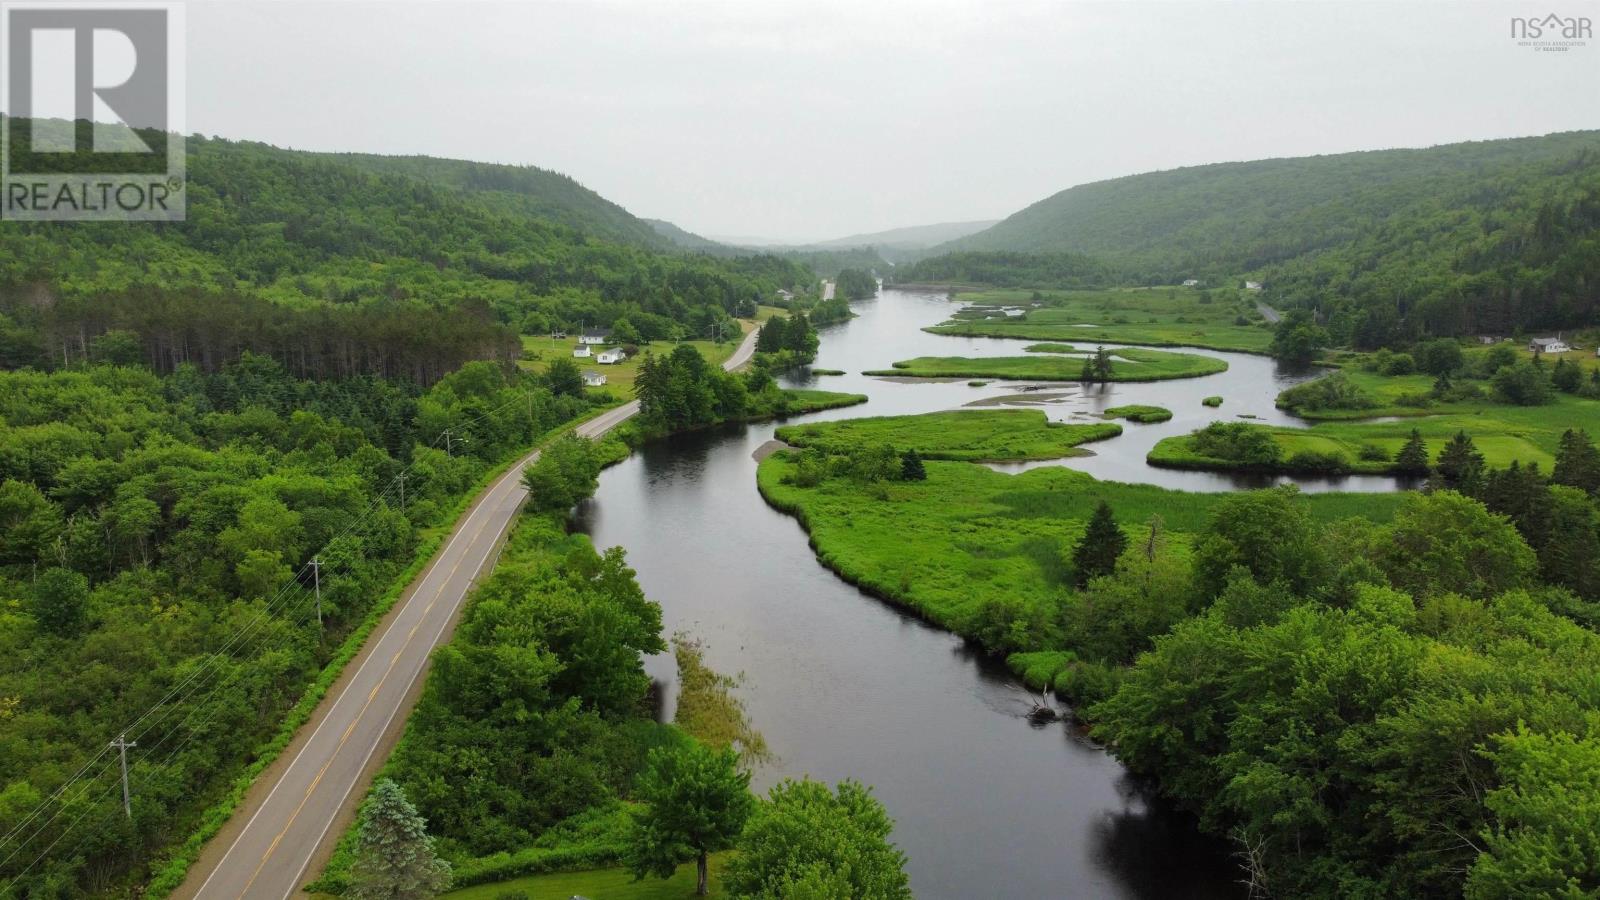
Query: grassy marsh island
[(1127, 364), (1221, 319), (993, 434)]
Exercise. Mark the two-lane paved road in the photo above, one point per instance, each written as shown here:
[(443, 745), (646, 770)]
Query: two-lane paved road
[(328, 769)]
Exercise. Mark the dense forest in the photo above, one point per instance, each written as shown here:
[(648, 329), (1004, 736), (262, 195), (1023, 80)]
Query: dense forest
[(396, 267), (157, 575), (1385, 246)]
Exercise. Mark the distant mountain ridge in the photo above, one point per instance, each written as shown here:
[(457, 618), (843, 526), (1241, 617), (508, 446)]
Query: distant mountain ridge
[(1383, 246), (1242, 216)]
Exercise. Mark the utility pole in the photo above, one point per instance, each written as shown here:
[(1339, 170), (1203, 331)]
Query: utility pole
[(402, 479), (121, 744), (316, 580), (447, 451)]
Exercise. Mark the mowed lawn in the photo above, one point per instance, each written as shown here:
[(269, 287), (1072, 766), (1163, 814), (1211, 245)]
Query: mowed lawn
[(619, 376), (599, 884), (1161, 317), (1127, 364)]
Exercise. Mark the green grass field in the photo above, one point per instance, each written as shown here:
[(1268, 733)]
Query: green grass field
[(619, 376), (1126, 365), (600, 884), (1502, 431), (968, 534), (1138, 413), (1161, 317), (995, 434)]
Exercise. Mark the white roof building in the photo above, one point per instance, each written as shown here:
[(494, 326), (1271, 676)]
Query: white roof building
[(1548, 345), (609, 357)]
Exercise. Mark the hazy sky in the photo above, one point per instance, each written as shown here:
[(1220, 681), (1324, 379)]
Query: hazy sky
[(818, 119)]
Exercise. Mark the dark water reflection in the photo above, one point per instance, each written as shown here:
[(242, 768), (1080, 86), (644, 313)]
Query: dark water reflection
[(845, 686)]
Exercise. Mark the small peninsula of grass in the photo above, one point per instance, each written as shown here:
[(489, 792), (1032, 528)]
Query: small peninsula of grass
[(1050, 348), (991, 434), (969, 537), (1157, 317), (827, 371), (1126, 365), (1137, 413), (1212, 401)]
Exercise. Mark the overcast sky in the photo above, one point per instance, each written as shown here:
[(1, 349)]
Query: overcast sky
[(811, 120)]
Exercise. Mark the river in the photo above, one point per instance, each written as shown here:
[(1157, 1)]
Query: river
[(844, 686)]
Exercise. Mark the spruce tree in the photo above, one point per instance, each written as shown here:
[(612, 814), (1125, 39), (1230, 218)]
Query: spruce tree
[(394, 854), (1460, 466), (911, 468), (1577, 462), (1103, 542), (1566, 376), (1413, 457)]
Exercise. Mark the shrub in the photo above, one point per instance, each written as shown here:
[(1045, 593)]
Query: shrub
[(1236, 442), (1400, 364), (1319, 462), (1334, 391), (1373, 453)]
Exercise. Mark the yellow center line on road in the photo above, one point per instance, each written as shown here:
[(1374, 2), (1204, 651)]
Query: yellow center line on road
[(360, 714)]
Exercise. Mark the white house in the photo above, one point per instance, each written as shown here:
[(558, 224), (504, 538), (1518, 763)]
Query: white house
[(609, 357), (1548, 345), (1191, 282), (1252, 285), (595, 336), (591, 378), (785, 296), (582, 351)]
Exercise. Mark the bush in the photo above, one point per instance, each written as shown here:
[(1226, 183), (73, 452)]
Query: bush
[(1373, 453), (1334, 391), (1236, 442), (1318, 462), (1400, 364)]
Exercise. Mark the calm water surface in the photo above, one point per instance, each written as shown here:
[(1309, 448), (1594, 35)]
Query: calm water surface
[(844, 686)]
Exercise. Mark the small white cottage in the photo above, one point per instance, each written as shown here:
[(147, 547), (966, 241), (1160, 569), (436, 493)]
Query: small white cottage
[(582, 351), (591, 378), (1191, 282), (595, 336), (1548, 345), (611, 357), (1252, 285)]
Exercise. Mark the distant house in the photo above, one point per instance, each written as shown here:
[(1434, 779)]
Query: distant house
[(582, 351), (1548, 345), (1252, 285), (596, 336), (1191, 282), (611, 357), (591, 378), (1487, 339), (785, 296)]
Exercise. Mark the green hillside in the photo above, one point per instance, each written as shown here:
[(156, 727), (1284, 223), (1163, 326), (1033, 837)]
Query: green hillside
[(1387, 244), (342, 265), (519, 190)]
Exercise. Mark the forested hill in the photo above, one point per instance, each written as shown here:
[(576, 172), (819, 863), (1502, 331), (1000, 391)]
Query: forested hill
[(520, 190), (1242, 216), (336, 269), (1387, 245)]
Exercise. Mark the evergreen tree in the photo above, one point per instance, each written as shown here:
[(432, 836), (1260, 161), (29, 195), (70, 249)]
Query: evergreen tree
[(1102, 364), (911, 468), (1460, 466), (1566, 376), (1413, 457), (394, 857), (773, 336), (1102, 543), (1577, 462)]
